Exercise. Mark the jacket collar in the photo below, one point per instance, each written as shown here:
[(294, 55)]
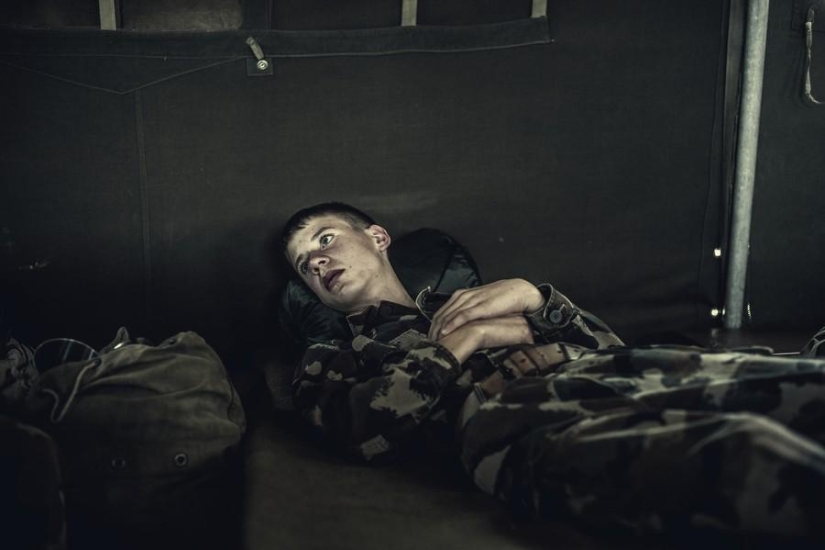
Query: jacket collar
[(427, 302)]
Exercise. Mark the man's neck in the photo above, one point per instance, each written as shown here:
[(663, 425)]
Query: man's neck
[(398, 294), (402, 298), (393, 291)]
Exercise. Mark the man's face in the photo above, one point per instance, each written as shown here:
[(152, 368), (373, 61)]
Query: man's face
[(341, 264)]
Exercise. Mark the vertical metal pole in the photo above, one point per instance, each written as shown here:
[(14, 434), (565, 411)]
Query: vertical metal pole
[(756, 37)]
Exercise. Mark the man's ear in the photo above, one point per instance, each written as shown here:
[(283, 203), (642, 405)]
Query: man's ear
[(380, 236)]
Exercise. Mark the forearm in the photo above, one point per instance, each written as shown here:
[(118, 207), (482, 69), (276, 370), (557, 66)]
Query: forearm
[(487, 333), (461, 344)]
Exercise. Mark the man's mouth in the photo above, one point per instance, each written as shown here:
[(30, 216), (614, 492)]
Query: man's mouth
[(331, 277)]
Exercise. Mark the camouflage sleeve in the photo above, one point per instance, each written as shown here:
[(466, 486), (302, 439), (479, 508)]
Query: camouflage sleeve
[(368, 397), (561, 321)]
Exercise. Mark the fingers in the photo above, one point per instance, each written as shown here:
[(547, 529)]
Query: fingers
[(458, 302), (501, 298), (468, 307), (464, 306)]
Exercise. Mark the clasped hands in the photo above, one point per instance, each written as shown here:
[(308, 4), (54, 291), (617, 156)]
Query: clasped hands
[(487, 316)]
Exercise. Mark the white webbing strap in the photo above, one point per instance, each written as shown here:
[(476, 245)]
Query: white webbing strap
[(809, 43), (57, 416), (409, 13), (108, 14)]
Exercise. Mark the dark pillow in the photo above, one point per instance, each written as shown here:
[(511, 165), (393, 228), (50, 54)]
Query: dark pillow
[(425, 257)]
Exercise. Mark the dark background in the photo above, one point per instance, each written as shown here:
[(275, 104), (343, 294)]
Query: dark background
[(146, 170), (787, 253)]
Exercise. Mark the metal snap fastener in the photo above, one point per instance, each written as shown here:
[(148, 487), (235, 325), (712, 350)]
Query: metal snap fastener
[(118, 463), (555, 316), (262, 64), (181, 460)]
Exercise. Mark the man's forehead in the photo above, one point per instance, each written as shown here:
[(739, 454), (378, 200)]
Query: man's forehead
[(304, 236), (314, 224)]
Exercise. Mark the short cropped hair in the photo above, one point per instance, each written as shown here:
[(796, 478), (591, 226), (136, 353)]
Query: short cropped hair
[(300, 219)]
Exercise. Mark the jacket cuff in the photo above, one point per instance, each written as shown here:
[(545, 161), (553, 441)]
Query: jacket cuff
[(556, 314)]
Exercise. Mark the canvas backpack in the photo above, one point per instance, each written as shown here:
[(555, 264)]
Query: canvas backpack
[(147, 436)]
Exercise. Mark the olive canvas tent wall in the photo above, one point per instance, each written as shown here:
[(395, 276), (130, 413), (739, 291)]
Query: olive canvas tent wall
[(143, 172), (785, 287)]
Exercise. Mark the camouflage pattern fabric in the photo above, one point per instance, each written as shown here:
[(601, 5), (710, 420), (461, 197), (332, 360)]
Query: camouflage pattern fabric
[(649, 439), (371, 395), (660, 438)]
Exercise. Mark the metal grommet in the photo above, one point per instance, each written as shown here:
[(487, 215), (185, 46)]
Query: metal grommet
[(262, 64), (181, 460), (555, 316), (118, 463)]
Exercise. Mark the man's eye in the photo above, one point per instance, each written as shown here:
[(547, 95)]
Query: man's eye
[(325, 240), (303, 267)]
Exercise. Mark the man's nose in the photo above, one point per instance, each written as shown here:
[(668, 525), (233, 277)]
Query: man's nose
[(316, 262)]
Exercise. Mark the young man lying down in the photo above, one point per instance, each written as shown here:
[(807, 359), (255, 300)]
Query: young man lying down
[(548, 410)]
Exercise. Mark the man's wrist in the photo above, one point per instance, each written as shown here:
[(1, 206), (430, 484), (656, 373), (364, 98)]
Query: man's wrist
[(535, 302), (463, 342)]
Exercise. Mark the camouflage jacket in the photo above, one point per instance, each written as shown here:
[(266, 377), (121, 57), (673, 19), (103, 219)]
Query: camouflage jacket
[(390, 385)]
